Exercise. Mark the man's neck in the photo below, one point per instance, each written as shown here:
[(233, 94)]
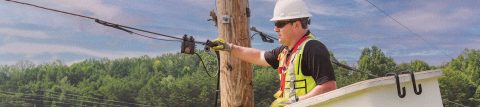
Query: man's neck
[(299, 35)]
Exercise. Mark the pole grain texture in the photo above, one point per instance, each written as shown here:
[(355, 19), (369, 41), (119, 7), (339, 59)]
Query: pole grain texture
[(236, 88)]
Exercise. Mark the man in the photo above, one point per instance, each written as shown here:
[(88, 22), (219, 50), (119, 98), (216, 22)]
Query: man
[(300, 58)]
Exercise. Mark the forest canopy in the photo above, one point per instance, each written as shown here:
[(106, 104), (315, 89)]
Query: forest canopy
[(174, 80)]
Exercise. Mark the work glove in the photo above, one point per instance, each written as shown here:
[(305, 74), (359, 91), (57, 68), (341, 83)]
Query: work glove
[(280, 102), (220, 45), (277, 94)]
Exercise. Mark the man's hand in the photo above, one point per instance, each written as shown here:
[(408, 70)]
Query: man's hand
[(220, 45)]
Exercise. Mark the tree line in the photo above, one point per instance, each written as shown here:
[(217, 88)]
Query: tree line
[(179, 80)]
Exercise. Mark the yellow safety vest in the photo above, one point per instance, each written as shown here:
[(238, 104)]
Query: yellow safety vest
[(296, 84)]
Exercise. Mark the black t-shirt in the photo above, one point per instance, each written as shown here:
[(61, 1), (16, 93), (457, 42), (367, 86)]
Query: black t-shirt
[(315, 61)]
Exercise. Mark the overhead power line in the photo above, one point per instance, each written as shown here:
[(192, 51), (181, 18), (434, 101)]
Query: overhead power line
[(408, 29), (93, 98), (37, 100), (417, 35), (458, 104), (50, 98), (335, 61), (113, 25)]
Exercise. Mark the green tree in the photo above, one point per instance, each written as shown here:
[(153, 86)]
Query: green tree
[(265, 84), (376, 62), (177, 80), (345, 76), (460, 81), (414, 66)]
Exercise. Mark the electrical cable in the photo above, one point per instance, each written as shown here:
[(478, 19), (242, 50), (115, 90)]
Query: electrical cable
[(251, 37), (408, 29), (126, 29), (353, 69), (218, 79), (57, 97), (417, 35), (205, 67), (155, 38), (109, 24), (456, 103), (217, 54), (51, 9), (33, 99), (218, 72), (265, 37), (115, 101)]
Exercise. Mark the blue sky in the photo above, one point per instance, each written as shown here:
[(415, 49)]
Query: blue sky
[(445, 28)]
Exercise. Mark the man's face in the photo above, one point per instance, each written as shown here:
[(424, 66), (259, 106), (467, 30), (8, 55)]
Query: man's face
[(284, 28)]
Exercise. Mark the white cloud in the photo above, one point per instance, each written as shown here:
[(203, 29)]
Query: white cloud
[(328, 8), (34, 49), (412, 53), (321, 9), (475, 44), (24, 33), (202, 3), (8, 62), (73, 62), (317, 27), (426, 53), (3, 21), (432, 17), (25, 15), (95, 7), (272, 1)]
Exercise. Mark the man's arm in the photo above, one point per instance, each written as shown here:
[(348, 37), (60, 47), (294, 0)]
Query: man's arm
[(250, 55), (320, 89)]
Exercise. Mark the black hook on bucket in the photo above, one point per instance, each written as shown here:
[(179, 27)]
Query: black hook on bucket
[(419, 91), (402, 93)]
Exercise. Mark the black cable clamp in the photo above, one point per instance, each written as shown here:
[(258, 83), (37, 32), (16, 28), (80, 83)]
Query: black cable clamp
[(113, 25), (188, 45)]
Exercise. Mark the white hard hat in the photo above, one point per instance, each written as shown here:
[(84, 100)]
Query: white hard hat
[(290, 9)]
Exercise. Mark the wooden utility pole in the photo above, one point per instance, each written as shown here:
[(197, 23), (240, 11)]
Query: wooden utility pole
[(236, 88)]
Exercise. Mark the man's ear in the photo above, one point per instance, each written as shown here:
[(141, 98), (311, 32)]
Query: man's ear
[(297, 25)]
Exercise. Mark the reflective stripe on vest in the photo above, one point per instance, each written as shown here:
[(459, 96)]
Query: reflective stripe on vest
[(296, 84), (282, 70)]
